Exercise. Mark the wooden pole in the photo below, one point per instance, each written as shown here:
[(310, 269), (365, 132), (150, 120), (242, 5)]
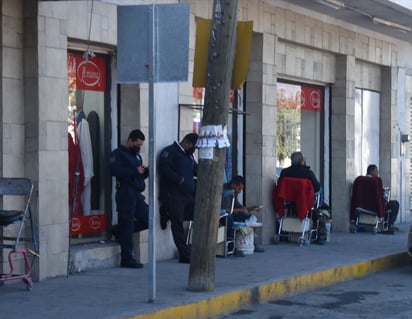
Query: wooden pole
[(210, 172)]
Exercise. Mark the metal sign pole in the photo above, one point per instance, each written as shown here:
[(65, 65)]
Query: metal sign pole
[(153, 46), (152, 161)]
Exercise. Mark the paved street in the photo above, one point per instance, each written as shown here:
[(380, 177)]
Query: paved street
[(379, 296)]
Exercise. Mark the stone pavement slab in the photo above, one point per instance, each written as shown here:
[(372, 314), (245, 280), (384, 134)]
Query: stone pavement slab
[(283, 269)]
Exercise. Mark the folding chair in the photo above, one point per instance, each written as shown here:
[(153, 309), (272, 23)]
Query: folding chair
[(367, 208), (294, 200), (18, 188), (224, 245)]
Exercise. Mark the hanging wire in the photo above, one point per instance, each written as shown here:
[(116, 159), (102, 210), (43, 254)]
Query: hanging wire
[(88, 53)]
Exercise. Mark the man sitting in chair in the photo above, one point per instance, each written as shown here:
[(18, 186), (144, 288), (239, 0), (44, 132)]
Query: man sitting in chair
[(299, 169), (391, 206), (240, 213)]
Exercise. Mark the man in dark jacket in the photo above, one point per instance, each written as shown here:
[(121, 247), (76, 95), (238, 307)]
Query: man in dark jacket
[(127, 166), (299, 169), (177, 168)]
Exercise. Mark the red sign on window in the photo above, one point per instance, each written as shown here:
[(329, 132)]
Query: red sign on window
[(86, 74), (311, 98), (295, 96)]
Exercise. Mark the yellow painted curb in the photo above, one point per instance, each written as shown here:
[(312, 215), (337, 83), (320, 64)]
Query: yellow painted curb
[(232, 301)]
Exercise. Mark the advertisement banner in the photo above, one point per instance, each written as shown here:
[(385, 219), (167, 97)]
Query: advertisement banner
[(295, 96), (86, 74)]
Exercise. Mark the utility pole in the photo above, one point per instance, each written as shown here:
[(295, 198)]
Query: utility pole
[(221, 53)]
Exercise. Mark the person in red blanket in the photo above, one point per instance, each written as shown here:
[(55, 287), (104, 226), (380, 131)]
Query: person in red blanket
[(391, 206), (299, 169)]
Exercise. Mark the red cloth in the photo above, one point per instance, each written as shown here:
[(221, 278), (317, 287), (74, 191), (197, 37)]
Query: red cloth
[(297, 190), (75, 164), (367, 193)]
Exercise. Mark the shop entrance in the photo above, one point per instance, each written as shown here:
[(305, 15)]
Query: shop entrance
[(88, 140), (299, 125)]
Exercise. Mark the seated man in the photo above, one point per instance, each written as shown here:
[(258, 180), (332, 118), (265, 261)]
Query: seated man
[(240, 213), (391, 206), (299, 169)]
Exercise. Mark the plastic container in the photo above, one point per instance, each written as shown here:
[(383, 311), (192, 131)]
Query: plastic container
[(245, 243)]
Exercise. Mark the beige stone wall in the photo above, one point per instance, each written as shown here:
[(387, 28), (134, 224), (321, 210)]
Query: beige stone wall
[(307, 49), (290, 43)]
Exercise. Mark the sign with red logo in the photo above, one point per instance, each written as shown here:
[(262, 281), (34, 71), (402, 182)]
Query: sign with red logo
[(86, 74), (295, 96), (311, 98), (89, 224)]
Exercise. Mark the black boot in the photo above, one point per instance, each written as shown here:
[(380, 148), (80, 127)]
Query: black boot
[(164, 216)]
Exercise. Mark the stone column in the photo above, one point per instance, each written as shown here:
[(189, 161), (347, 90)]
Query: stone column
[(343, 137), (389, 130), (260, 148), (46, 100)]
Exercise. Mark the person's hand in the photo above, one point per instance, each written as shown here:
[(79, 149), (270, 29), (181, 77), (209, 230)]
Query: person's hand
[(141, 169)]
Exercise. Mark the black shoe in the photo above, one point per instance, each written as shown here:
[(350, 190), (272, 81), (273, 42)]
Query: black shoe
[(130, 264), (259, 249), (239, 253), (164, 217), (116, 232), (389, 231), (184, 260)]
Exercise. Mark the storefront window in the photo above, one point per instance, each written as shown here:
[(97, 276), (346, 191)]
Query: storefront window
[(299, 123), (87, 164), (366, 130)]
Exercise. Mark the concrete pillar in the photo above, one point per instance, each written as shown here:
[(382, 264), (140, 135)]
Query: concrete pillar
[(260, 150), (46, 100), (389, 130), (343, 137)]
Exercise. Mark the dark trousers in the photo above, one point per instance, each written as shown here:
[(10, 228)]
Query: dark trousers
[(133, 213), (181, 208), (392, 209)]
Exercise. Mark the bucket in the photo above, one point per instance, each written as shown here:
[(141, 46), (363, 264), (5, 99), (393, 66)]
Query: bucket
[(245, 243)]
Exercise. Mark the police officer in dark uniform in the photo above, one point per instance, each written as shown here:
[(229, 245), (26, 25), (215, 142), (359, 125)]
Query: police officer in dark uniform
[(177, 168), (133, 212)]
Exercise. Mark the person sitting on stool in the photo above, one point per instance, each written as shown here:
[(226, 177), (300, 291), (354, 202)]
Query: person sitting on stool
[(240, 213)]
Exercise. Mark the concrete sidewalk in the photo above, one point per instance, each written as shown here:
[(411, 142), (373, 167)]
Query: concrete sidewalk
[(283, 269)]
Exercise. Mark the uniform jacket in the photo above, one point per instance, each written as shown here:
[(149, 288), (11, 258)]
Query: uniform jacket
[(175, 163), (123, 165)]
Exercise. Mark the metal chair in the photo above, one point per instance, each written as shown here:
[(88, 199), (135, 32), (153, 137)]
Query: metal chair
[(224, 246), (367, 206), (18, 188), (295, 200)]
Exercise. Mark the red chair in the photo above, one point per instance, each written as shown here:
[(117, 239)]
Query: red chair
[(367, 207), (294, 200)]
